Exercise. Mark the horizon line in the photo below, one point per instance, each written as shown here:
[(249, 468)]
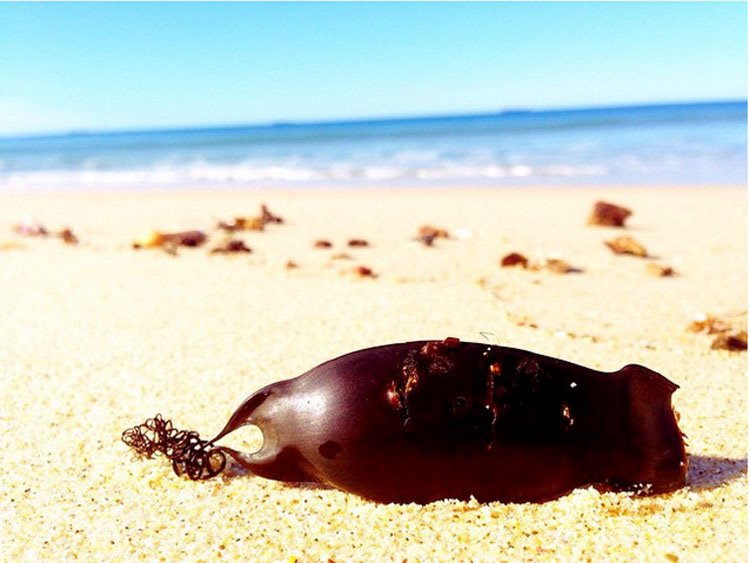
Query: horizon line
[(82, 132)]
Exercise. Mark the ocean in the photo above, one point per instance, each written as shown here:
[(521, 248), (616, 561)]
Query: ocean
[(676, 144)]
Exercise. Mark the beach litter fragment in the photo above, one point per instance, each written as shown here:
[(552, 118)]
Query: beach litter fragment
[(608, 215), (322, 243), (387, 422), (627, 245)]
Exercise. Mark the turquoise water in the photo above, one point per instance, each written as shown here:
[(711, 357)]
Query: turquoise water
[(660, 144)]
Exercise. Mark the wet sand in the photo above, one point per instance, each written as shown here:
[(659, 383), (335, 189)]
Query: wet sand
[(97, 337)]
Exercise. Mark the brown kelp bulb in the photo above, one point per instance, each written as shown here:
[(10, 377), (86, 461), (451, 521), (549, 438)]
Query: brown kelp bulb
[(430, 420)]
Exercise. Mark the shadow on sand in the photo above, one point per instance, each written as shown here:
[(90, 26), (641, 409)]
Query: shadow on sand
[(708, 472)]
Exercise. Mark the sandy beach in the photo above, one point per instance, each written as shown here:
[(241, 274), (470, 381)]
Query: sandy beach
[(97, 337)]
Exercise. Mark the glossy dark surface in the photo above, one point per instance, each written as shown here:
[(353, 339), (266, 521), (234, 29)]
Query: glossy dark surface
[(423, 421)]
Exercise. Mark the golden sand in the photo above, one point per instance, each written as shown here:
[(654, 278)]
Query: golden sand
[(97, 337)]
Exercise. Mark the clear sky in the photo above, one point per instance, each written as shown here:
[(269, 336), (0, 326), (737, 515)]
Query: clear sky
[(135, 65)]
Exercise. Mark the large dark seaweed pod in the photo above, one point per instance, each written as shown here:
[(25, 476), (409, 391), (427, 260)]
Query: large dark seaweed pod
[(422, 421)]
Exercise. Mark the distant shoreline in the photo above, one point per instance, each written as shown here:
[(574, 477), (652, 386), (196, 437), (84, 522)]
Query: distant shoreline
[(374, 120)]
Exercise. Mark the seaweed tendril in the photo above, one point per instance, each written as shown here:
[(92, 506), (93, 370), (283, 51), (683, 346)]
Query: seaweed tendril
[(190, 455)]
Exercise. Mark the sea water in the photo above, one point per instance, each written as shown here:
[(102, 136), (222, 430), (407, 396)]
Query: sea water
[(693, 144)]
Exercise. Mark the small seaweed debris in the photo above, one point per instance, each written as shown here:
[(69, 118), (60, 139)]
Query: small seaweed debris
[(730, 331), (660, 270), (241, 224), (710, 324), (251, 223), (322, 243), (363, 272), (30, 227), (514, 259), (358, 242), (608, 215), (68, 236), (190, 455), (427, 234), (156, 239), (733, 341), (627, 245), (267, 217), (231, 246), (151, 239), (560, 266), (186, 238), (291, 265)]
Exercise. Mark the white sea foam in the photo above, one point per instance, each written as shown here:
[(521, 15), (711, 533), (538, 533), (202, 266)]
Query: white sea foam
[(248, 174)]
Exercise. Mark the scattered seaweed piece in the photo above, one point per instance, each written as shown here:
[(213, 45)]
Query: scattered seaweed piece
[(627, 245), (236, 224), (291, 265), (156, 239), (608, 215), (190, 455), (322, 243), (186, 238), (257, 223), (232, 246), (267, 217), (730, 330), (514, 259), (660, 270), (363, 272), (427, 234), (560, 266), (30, 227), (68, 236), (710, 324), (733, 341), (358, 242), (152, 239)]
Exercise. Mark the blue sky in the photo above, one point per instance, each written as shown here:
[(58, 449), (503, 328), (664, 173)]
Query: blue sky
[(121, 66)]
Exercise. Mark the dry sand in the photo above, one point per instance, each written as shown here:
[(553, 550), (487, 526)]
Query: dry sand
[(97, 337)]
